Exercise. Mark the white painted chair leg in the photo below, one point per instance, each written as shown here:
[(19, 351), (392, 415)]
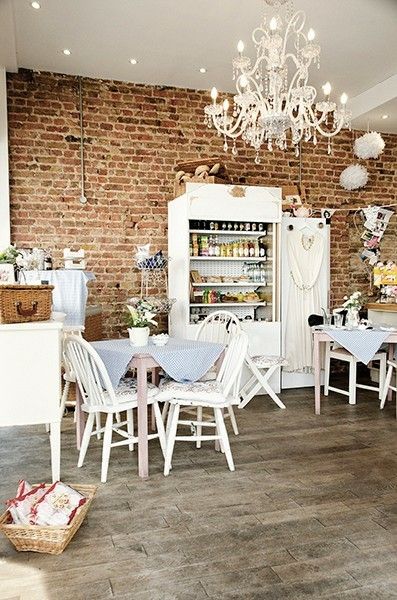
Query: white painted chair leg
[(220, 424), (199, 426), (233, 419), (171, 439), (327, 368), (171, 410), (47, 428), (130, 428), (165, 411), (160, 427), (386, 386), (352, 381), (64, 397), (107, 440), (86, 439), (98, 425), (382, 373)]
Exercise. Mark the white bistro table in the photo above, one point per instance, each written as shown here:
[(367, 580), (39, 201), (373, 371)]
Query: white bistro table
[(30, 380), (320, 337)]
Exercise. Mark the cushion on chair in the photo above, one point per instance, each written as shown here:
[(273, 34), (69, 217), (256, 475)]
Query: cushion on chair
[(205, 391), (263, 361), (126, 391)]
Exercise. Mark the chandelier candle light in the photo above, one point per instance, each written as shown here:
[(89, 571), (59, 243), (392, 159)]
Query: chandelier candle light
[(273, 95)]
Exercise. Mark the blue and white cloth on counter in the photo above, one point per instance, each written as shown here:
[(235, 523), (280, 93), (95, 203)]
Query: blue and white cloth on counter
[(69, 294), (362, 343), (183, 360)]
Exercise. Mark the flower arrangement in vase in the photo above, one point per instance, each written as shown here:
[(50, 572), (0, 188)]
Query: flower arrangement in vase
[(353, 303), (141, 314)]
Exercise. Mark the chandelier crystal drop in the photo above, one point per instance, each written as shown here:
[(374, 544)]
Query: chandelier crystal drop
[(275, 105)]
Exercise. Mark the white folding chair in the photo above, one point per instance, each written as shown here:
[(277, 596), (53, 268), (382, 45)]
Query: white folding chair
[(388, 385), (261, 368), (99, 396), (217, 395), (346, 356)]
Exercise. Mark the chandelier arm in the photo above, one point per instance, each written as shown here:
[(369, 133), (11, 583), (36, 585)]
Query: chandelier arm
[(317, 124), (292, 22)]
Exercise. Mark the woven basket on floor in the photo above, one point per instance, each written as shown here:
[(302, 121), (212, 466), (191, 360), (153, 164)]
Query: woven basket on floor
[(50, 540), (25, 303)]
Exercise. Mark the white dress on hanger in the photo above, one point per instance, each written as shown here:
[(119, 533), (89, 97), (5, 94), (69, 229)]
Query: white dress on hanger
[(305, 256)]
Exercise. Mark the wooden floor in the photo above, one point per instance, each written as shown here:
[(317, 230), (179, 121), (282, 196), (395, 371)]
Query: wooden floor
[(309, 513)]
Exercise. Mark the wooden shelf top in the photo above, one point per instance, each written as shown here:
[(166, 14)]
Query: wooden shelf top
[(382, 306)]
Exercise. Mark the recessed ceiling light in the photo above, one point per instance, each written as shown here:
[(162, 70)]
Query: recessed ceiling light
[(35, 5), (133, 61), (66, 52), (203, 70), (385, 116)]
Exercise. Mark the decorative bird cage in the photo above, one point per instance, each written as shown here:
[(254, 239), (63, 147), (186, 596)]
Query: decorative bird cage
[(154, 275)]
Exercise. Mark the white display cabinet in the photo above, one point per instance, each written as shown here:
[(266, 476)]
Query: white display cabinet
[(223, 245)]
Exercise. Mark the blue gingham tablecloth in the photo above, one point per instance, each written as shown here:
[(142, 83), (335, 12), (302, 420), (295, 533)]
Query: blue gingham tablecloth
[(69, 294), (183, 360), (362, 343)]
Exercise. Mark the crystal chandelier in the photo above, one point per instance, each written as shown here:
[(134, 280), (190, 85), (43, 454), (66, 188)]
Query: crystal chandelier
[(274, 104)]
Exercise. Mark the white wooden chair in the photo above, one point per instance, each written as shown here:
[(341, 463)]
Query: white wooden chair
[(99, 396), (68, 375), (346, 356), (217, 395), (261, 368), (219, 327), (388, 385)]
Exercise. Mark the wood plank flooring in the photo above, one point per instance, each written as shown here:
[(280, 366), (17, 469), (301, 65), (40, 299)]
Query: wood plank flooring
[(310, 512)]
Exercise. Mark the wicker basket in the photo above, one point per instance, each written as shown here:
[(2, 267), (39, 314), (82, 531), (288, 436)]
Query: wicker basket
[(25, 303), (50, 540)]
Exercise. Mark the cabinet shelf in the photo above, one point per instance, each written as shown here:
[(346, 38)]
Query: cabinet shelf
[(227, 232), (254, 259), (209, 304), (232, 284)]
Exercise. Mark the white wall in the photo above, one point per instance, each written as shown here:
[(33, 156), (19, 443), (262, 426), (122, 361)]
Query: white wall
[(4, 179)]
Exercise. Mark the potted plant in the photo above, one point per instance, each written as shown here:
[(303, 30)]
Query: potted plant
[(8, 260), (353, 303), (140, 315)]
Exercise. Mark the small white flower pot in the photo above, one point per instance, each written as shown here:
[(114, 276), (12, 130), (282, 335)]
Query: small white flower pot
[(139, 336)]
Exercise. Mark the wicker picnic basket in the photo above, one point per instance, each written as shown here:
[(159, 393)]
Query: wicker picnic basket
[(25, 303), (50, 540)]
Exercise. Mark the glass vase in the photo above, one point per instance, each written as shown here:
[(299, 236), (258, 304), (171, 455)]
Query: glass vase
[(352, 317)]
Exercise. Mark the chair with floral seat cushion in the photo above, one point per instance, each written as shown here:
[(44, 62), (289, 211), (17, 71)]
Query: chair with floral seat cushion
[(219, 326), (99, 396), (216, 395), (261, 368)]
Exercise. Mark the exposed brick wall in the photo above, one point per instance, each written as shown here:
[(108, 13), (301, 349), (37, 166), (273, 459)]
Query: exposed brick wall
[(134, 136)]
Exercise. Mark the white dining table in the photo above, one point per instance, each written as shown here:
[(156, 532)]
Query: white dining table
[(321, 337)]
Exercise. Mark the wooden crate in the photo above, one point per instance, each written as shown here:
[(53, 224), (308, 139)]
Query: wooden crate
[(180, 188)]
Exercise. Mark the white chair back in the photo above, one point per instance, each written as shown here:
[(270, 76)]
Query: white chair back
[(220, 326), (90, 372), (232, 365), (67, 331)]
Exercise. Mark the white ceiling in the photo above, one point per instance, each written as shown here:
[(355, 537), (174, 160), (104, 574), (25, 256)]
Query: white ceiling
[(172, 39)]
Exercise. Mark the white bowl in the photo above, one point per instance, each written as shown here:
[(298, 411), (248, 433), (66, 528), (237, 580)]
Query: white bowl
[(160, 339), (58, 316)]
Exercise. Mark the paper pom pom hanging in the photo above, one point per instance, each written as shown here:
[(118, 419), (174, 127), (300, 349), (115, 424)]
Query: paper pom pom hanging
[(354, 177), (369, 145)]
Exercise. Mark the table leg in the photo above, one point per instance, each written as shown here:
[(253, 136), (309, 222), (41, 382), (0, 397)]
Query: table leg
[(390, 356), (317, 374), (143, 449), (80, 419), (55, 442), (155, 381)]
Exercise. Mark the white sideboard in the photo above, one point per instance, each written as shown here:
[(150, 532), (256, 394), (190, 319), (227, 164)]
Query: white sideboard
[(30, 380)]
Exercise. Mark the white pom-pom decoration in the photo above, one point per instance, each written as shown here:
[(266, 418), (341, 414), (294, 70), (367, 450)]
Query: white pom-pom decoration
[(354, 177), (369, 145)]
